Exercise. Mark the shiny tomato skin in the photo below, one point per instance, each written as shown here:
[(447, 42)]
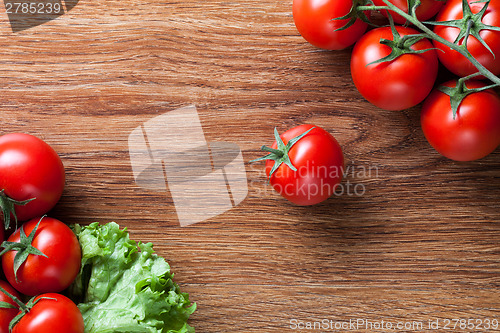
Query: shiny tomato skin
[(6, 315), (319, 161), (39, 274), (426, 10), (454, 61), (475, 131), (396, 85), (51, 314), (314, 20), (30, 168)]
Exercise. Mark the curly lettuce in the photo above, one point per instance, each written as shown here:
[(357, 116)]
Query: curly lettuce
[(124, 286)]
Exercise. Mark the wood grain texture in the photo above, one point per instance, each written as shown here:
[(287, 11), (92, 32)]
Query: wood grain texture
[(420, 244)]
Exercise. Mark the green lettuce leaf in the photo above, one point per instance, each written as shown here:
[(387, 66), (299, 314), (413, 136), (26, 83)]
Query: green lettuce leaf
[(124, 286)]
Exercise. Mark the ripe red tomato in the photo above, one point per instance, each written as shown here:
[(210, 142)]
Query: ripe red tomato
[(51, 313), (454, 61), (39, 274), (426, 10), (319, 161), (400, 83), (30, 168), (314, 20), (7, 314), (475, 131)]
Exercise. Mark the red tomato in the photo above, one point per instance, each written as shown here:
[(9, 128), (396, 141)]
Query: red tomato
[(314, 20), (7, 314), (52, 313), (453, 60), (398, 84), (30, 168), (319, 162), (39, 274), (426, 10), (475, 131)]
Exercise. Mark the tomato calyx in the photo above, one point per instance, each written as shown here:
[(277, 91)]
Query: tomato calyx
[(8, 206), (470, 25), (280, 155), (25, 308), (355, 13), (5, 305), (460, 91), (400, 44), (24, 247)]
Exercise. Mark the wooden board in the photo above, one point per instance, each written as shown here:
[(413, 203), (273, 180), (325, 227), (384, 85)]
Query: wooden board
[(418, 245)]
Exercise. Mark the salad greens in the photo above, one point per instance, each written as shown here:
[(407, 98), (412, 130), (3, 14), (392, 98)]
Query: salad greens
[(124, 286)]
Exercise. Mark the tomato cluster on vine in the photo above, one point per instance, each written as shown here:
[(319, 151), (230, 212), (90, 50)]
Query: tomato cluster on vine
[(395, 65), (42, 256)]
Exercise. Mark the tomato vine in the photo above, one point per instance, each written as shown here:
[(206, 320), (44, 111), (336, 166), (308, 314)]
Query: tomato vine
[(471, 20)]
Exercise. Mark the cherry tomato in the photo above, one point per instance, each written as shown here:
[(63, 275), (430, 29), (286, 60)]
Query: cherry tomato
[(319, 164), (426, 10), (475, 131), (7, 314), (51, 313), (397, 84), (40, 274), (315, 21), (454, 61), (30, 168)]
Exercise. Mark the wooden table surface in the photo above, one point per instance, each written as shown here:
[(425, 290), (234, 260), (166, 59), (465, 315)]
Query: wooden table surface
[(417, 243)]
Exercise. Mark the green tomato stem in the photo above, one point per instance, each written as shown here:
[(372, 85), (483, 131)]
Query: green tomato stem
[(272, 150)]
